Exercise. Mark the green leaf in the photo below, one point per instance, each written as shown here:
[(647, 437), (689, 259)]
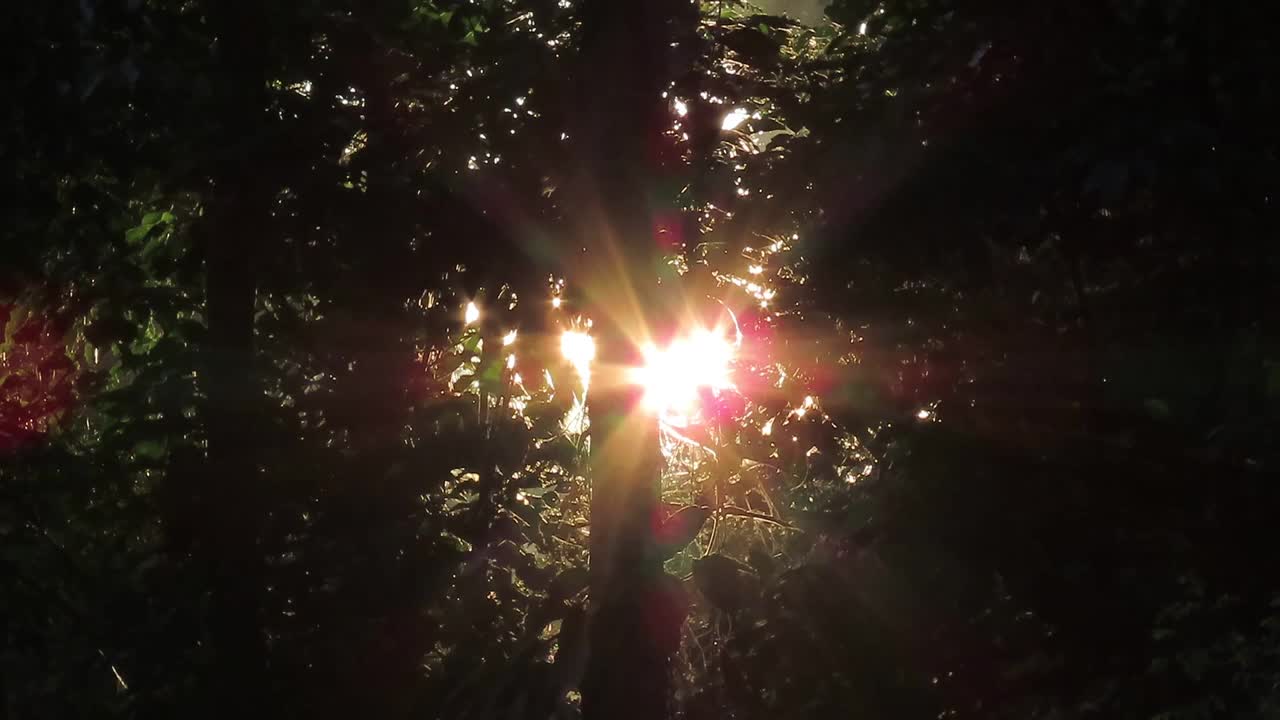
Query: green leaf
[(762, 562), (726, 583), (150, 221), (568, 583), (1273, 380), (470, 341), (680, 529), (490, 376), (1157, 408)]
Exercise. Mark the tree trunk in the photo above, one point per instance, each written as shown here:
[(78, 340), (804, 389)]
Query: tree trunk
[(621, 117), (236, 215), (230, 526)]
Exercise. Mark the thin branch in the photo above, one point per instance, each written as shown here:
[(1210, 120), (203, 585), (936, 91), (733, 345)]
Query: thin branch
[(762, 517), (715, 526)]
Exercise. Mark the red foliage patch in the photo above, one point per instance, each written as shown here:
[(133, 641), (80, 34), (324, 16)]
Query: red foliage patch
[(35, 377)]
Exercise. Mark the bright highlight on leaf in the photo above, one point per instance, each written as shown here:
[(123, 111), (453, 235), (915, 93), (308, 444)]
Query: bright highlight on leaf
[(734, 119), (674, 377)]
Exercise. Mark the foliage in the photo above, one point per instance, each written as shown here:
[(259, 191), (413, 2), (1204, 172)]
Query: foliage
[(1002, 443)]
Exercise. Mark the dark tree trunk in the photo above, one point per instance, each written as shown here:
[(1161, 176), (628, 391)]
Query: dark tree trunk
[(231, 513), (624, 69), (234, 226)]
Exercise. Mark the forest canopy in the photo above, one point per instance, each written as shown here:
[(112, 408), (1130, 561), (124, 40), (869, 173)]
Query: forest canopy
[(533, 359)]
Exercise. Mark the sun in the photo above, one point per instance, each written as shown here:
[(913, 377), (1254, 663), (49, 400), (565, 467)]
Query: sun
[(674, 377)]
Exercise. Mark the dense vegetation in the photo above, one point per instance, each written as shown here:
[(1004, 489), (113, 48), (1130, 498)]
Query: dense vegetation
[(287, 425)]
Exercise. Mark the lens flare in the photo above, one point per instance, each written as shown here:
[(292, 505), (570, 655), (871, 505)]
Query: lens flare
[(674, 377)]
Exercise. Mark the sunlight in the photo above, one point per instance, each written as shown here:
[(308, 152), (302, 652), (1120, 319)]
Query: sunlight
[(576, 421), (579, 349), (804, 408), (472, 313), (674, 376)]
